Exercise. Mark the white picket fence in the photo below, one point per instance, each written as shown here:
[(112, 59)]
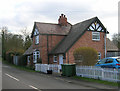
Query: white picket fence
[(44, 67), (107, 74)]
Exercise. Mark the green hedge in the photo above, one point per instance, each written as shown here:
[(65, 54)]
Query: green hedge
[(85, 56)]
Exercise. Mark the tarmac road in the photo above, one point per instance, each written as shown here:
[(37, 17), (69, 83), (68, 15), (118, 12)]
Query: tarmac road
[(13, 78)]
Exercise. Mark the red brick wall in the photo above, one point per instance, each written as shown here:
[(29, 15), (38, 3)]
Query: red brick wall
[(86, 41), (53, 40)]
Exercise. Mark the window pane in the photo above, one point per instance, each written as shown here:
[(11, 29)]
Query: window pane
[(97, 25), (91, 28), (109, 61), (95, 35), (93, 25), (37, 39), (102, 61), (55, 59), (99, 29)]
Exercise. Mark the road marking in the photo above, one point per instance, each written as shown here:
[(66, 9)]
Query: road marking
[(32, 87), (12, 77)]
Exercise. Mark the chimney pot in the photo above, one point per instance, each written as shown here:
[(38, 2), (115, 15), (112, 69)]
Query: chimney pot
[(62, 20), (62, 14)]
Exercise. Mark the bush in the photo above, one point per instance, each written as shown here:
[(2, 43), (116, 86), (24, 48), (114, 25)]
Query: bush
[(23, 60), (39, 60), (85, 56), (9, 57)]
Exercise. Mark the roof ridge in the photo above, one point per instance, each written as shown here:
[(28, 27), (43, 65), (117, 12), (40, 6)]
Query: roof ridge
[(50, 23), (86, 20)]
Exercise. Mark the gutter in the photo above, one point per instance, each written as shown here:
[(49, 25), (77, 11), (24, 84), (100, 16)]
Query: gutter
[(105, 42)]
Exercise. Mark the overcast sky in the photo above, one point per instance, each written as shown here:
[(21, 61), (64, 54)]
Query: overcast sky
[(18, 14)]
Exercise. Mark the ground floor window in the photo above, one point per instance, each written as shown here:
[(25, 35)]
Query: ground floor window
[(99, 55), (36, 56), (28, 59), (54, 58)]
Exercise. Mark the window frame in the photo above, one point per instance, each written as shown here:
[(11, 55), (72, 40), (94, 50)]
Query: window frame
[(54, 58), (37, 39), (99, 55), (36, 56), (28, 59), (36, 32), (96, 34)]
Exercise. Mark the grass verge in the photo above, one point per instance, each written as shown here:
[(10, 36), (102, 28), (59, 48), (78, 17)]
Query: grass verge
[(18, 67), (96, 80)]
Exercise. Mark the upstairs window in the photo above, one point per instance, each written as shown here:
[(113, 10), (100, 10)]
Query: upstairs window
[(36, 31), (37, 39), (96, 36)]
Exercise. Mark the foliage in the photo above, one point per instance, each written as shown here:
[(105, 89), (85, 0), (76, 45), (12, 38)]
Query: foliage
[(3, 35), (27, 42), (116, 39), (23, 60), (14, 43), (9, 57), (39, 60), (85, 56)]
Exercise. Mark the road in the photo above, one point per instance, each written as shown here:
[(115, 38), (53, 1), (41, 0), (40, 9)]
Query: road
[(13, 78)]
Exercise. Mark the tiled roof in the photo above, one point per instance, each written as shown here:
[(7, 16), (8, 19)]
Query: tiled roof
[(111, 46), (29, 50), (75, 33), (49, 28)]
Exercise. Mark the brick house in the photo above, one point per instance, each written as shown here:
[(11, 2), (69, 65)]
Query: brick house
[(112, 49), (55, 43)]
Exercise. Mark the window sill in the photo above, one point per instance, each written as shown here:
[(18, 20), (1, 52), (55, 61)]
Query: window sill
[(54, 61), (95, 40), (37, 44)]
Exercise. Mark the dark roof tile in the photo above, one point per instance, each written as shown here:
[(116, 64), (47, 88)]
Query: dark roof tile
[(76, 32), (29, 50), (111, 46)]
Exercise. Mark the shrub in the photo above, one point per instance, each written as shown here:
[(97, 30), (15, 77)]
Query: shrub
[(39, 60), (85, 56), (9, 57), (23, 60)]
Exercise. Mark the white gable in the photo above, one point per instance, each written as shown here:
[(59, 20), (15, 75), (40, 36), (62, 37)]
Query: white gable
[(95, 26)]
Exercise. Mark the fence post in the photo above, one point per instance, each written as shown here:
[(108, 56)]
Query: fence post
[(58, 69), (102, 74)]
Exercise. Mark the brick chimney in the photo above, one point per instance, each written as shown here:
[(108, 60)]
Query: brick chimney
[(62, 20)]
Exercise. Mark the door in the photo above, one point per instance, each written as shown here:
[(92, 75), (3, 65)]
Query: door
[(60, 60), (28, 58)]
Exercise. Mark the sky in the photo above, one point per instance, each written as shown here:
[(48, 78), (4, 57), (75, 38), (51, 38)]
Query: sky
[(20, 14)]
